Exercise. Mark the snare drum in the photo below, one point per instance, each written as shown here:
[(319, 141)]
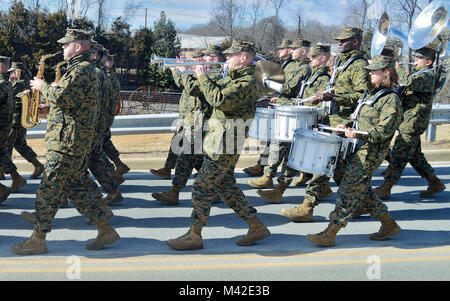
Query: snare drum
[(289, 118), (314, 152), (261, 127)]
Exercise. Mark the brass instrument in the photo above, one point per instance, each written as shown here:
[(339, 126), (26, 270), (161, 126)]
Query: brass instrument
[(30, 105), (58, 68)]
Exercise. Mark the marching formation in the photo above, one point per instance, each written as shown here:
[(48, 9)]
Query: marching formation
[(320, 120)]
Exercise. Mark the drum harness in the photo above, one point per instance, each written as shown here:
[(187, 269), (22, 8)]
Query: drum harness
[(333, 108), (355, 144)]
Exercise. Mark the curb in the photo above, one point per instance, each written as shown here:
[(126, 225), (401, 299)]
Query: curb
[(136, 164)]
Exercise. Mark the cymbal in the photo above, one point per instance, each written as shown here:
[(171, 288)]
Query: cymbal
[(270, 70)]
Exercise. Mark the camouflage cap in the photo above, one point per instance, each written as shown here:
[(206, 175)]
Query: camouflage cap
[(285, 44), (238, 46), (75, 34), (426, 52), (388, 50), (319, 49), (349, 32), (212, 49), (16, 65), (5, 59), (380, 62), (197, 53), (300, 43)]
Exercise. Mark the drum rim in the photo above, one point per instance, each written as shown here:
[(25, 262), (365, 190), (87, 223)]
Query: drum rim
[(292, 108), (315, 135)]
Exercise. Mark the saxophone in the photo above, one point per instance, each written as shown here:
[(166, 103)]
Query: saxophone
[(58, 74), (29, 117)]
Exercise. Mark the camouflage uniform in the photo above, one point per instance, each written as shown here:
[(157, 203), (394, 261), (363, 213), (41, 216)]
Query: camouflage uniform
[(380, 120), (349, 87), (417, 106), (108, 147), (232, 99), (99, 164), (6, 119), (17, 138), (74, 106), (6, 116), (279, 151)]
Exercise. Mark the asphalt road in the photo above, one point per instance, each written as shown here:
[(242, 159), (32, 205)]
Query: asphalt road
[(420, 252)]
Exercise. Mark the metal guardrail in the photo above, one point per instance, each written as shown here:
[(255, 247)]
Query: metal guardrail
[(165, 123), (439, 115), (126, 125)]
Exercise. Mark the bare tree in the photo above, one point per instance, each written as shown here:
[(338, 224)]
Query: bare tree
[(228, 15), (277, 4), (130, 10)]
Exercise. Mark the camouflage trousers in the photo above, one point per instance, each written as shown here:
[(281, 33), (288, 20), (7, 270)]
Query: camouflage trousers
[(100, 167), (184, 167), (108, 147), (6, 162), (278, 154), (355, 189), (171, 160), (264, 156), (318, 183), (407, 149), (214, 179), (66, 177), (17, 140)]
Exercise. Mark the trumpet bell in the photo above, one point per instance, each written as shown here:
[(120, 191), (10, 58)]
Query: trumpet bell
[(429, 24)]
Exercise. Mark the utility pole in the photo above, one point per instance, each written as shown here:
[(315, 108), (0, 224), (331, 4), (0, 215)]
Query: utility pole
[(145, 18)]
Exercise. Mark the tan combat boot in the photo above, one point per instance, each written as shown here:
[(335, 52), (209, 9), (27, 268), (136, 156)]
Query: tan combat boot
[(17, 181), (192, 240), (171, 197), (2, 174), (121, 167), (254, 171), (4, 193), (106, 236), (388, 228), (275, 195), (162, 172), (38, 169), (326, 192), (261, 183), (257, 231), (113, 197), (28, 216), (302, 179), (434, 186), (36, 244), (384, 191), (326, 238), (302, 213)]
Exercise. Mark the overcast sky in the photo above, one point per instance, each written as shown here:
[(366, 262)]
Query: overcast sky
[(185, 13)]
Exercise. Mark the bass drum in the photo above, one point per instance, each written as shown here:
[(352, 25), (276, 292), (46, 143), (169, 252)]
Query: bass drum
[(314, 152), (262, 124), (288, 118)]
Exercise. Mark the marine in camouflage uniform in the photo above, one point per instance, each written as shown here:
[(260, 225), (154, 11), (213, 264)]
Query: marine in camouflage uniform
[(108, 146), (177, 142), (316, 81), (99, 164), (73, 113), (279, 151), (286, 62), (233, 101), (417, 107), (350, 85), (197, 112), (20, 78), (380, 119), (7, 100), (6, 114)]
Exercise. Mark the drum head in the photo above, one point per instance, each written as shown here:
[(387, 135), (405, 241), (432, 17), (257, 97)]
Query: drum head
[(317, 136)]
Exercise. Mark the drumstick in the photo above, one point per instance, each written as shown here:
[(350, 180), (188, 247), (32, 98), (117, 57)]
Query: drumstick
[(324, 127), (311, 97)]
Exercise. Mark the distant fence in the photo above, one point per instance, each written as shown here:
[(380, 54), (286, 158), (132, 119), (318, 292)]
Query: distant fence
[(145, 100)]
